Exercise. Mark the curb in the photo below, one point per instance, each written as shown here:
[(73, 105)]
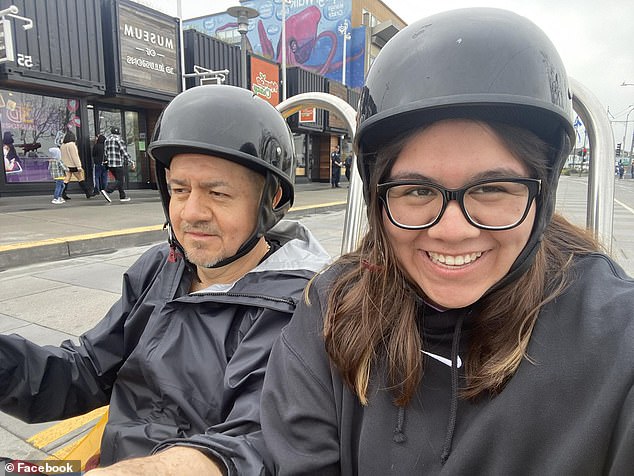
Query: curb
[(26, 253)]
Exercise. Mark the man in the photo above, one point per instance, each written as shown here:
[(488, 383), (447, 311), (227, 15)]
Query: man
[(335, 158), (183, 351), (348, 165), (116, 158)]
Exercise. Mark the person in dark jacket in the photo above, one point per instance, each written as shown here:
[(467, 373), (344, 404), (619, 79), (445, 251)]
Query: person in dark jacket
[(335, 173), (117, 160), (10, 153), (183, 351), (101, 168), (473, 331)]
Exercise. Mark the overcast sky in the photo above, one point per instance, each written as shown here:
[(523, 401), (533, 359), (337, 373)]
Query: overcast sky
[(591, 36)]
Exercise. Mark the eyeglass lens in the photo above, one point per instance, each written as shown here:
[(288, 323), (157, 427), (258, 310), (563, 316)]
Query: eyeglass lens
[(490, 204)]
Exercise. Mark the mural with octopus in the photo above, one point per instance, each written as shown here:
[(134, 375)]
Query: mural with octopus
[(314, 35)]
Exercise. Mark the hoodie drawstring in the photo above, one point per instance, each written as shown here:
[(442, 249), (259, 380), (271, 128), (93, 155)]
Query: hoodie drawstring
[(451, 426), (399, 436)]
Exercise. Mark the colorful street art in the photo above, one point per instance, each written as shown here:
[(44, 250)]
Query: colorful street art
[(313, 37)]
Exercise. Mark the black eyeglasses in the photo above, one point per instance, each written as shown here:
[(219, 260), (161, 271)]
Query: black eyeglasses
[(492, 204)]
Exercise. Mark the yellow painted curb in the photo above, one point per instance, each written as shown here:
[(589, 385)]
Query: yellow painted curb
[(92, 236), (126, 231), (321, 205)]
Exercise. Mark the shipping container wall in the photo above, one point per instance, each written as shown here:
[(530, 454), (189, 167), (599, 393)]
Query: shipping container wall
[(302, 81), (63, 48), (213, 54)]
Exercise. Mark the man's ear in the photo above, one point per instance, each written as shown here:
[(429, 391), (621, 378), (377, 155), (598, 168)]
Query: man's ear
[(277, 197)]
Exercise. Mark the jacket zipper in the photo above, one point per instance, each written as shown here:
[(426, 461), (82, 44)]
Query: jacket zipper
[(245, 295)]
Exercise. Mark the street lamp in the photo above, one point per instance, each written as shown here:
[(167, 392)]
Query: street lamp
[(343, 30), (283, 50), (243, 14)]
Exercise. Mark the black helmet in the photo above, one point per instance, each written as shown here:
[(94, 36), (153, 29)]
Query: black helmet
[(114, 130), (478, 63), (234, 124)]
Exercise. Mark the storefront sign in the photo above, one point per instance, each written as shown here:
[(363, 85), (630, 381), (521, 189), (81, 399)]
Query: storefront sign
[(6, 41), (265, 80), (308, 115), (148, 49)]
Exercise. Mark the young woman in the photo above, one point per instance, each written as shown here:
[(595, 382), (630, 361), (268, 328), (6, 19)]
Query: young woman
[(474, 331), (70, 158)]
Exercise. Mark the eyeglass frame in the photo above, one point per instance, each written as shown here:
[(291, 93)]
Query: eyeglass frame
[(448, 194)]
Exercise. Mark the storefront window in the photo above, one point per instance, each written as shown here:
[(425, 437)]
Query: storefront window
[(134, 145), (31, 124)]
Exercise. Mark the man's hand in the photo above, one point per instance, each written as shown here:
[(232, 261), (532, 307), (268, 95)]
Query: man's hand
[(174, 461)]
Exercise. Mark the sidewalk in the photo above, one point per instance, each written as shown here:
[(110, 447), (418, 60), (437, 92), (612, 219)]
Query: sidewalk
[(35, 230)]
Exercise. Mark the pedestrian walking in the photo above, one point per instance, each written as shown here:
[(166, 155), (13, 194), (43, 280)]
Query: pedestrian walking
[(335, 159), (70, 158), (473, 331), (118, 161), (101, 167), (58, 170), (348, 165)]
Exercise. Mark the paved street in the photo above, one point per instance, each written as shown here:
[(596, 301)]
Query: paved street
[(52, 301)]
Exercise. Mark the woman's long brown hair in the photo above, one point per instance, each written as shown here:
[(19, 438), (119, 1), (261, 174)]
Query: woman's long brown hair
[(372, 307)]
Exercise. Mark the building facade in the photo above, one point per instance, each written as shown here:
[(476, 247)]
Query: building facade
[(109, 63), (329, 46), (117, 63)]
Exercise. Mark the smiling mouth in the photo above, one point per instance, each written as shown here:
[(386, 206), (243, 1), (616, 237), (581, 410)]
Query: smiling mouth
[(454, 260)]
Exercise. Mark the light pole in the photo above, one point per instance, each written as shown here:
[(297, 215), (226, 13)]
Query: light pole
[(243, 14), (628, 114), (283, 50), (181, 59), (343, 30), (627, 118)]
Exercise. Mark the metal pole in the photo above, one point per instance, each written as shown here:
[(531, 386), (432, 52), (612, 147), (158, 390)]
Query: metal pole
[(599, 212), (179, 14), (355, 220), (243, 58), (627, 118), (343, 29), (283, 50), (343, 58)]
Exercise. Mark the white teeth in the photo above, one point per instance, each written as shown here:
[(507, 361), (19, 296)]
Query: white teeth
[(458, 260)]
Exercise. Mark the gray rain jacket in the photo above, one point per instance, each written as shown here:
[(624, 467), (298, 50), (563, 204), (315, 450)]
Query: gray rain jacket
[(170, 364)]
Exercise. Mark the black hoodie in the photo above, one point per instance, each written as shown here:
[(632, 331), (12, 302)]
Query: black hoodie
[(568, 411)]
